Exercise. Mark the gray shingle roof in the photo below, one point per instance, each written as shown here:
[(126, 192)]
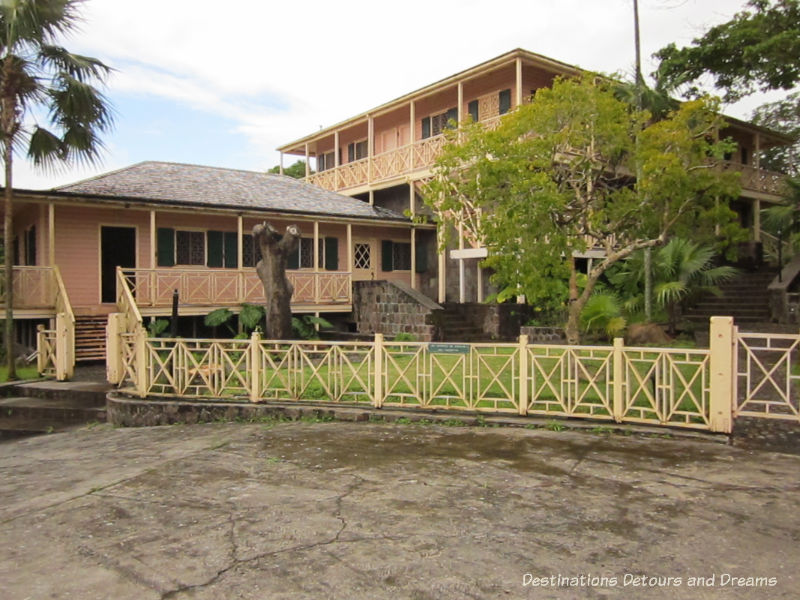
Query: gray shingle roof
[(181, 184)]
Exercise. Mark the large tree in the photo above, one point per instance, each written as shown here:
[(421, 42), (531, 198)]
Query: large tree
[(50, 107), (758, 49), (275, 249), (557, 177)]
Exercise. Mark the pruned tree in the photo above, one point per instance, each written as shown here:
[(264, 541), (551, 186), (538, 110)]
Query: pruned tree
[(271, 268), (557, 177)]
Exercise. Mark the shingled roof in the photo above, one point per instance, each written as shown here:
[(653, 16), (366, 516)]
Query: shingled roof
[(194, 185)]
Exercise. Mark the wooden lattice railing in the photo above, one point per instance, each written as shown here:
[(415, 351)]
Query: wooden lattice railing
[(226, 287), (660, 386)]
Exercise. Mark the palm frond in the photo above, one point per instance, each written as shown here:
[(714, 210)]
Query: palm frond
[(251, 315), (82, 68), (45, 149)]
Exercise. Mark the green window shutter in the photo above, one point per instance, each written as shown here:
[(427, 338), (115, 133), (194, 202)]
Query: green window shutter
[(165, 239), (293, 260), (421, 257), (452, 115), (505, 101), (214, 249), (231, 243), (472, 108), (331, 254), (426, 127), (386, 256)]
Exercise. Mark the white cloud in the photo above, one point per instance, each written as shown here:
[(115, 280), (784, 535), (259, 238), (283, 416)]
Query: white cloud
[(280, 70)]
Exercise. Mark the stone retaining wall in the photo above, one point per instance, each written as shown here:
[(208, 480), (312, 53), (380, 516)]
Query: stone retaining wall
[(390, 308)]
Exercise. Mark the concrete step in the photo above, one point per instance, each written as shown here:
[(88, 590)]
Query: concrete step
[(85, 393), (48, 414)]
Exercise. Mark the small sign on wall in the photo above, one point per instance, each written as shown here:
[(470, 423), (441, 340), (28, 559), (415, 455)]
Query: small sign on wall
[(448, 348)]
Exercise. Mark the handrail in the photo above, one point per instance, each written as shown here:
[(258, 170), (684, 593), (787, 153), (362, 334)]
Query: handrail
[(126, 302), (63, 305)]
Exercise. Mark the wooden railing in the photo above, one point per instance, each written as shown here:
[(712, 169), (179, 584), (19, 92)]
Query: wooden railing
[(34, 288), (688, 388), (759, 180), (393, 163), (226, 287)]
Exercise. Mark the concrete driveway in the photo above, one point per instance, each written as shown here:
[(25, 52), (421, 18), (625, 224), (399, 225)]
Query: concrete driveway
[(373, 511)]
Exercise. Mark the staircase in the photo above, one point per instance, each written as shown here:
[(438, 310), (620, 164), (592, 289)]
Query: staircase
[(744, 298), (454, 325), (90, 337)]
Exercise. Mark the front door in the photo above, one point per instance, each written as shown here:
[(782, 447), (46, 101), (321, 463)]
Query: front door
[(364, 259), (117, 249)]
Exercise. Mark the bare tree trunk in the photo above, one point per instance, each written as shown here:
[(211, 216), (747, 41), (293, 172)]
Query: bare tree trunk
[(8, 241), (275, 250)]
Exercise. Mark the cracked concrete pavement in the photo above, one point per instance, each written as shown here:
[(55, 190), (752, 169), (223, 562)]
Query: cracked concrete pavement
[(373, 511)]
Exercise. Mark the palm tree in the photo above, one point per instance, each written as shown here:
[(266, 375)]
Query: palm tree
[(682, 270), (39, 77)]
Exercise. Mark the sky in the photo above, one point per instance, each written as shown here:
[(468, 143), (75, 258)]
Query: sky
[(225, 83)]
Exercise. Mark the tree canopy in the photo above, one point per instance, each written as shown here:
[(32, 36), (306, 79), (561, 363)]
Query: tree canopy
[(296, 169), (556, 177), (49, 105), (783, 116), (758, 49)]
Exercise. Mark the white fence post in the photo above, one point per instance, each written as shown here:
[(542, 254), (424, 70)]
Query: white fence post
[(255, 366), (618, 366), (523, 375), (114, 357), (140, 360), (41, 347), (62, 350), (722, 349), (377, 401)]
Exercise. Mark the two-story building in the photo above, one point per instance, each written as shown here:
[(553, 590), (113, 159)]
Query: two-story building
[(384, 155)]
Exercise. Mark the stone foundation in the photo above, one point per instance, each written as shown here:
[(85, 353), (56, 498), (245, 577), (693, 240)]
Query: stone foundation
[(390, 308), (767, 434)]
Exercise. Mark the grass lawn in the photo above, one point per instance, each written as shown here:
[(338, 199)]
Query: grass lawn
[(22, 373)]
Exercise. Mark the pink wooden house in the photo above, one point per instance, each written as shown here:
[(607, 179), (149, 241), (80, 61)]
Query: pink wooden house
[(154, 228), (385, 154)]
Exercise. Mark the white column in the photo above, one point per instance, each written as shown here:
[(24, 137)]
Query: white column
[(413, 258), (280, 167), (308, 168), (153, 239), (518, 66), (462, 273), (239, 243), (51, 234)]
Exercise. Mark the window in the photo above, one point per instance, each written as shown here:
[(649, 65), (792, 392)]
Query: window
[(472, 108), (362, 256), (250, 253), (357, 150), (435, 124), (30, 246), (326, 161), (190, 247), (505, 101), (396, 256), (745, 155), (222, 249), (328, 258)]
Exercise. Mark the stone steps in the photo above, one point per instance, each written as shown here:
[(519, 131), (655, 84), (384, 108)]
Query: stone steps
[(30, 408)]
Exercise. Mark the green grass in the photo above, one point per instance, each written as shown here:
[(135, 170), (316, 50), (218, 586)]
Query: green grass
[(22, 373)]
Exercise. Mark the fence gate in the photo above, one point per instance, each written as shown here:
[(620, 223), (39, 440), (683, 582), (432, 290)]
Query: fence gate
[(767, 375)]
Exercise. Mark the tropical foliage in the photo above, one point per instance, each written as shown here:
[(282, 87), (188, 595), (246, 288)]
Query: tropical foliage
[(557, 177)]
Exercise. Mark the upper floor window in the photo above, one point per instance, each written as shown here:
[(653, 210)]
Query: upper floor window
[(326, 161), (357, 150), (504, 101), (436, 124)]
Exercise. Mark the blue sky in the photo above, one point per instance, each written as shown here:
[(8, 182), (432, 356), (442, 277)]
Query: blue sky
[(224, 84)]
